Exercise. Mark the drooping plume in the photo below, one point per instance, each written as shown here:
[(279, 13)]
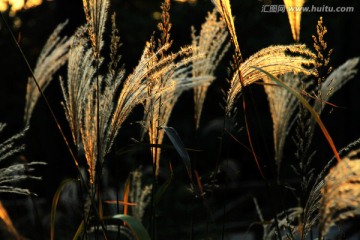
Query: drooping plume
[(211, 43), (282, 105), (53, 55), (341, 192), (276, 60)]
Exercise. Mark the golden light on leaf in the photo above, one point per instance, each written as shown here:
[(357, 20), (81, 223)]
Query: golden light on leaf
[(293, 8), (17, 5)]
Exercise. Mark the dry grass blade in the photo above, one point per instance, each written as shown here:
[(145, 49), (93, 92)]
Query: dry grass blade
[(282, 107), (53, 55), (211, 43), (276, 60), (341, 192), (294, 10)]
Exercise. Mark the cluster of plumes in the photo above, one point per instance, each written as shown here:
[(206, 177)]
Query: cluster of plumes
[(341, 192), (276, 60), (210, 42), (320, 199), (94, 105), (15, 172), (293, 8), (170, 74), (52, 57)]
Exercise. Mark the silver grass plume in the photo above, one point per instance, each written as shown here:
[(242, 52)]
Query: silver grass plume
[(172, 76), (338, 78), (211, 43), (224, 8), (311, 214), (282, 107), (96, 12), (53, 55), (81, 101), (341, 192), (276, 60), (16, 172)]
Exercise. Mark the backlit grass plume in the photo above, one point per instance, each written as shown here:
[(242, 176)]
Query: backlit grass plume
[(224, 8), (341, 192), (170, 77), (211, 43), (294, 10), (282, 105), (53, 55), (16, 172), (96, 16), (338, 78), (276, 60)]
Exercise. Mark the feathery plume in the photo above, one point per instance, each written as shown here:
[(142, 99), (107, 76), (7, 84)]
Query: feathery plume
[(53, 55), (16, 172), (224, 8), (341, 192), (169, 74), (294, 10), (211, 43), (96, 15), (338, 78), (276, 60), (282, 107)]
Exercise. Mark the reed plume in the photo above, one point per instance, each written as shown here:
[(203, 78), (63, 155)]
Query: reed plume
[(282, 105), (169, 76), (341, 192), (96, 15), (211, 43), (276, 60), (52, 57), (16, 172)]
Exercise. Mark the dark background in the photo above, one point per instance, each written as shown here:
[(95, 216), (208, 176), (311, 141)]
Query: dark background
[(136, 23)]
